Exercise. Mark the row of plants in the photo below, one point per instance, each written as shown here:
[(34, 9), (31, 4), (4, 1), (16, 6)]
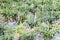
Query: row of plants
[(38, 16), (23, 33)]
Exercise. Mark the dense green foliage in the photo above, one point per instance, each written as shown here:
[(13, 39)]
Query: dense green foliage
[(39, 16)]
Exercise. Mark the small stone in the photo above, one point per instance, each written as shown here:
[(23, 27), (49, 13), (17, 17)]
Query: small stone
[(56, 37), (39, 36)]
